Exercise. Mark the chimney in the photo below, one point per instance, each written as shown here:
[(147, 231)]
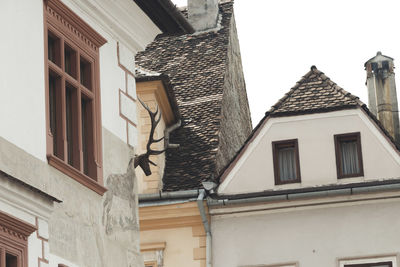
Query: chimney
[(203, 14), (382, 96)]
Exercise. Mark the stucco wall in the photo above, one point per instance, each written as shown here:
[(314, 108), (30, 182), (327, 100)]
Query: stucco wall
[(86, 228), (313, 236), (315, 133), (236, 120)]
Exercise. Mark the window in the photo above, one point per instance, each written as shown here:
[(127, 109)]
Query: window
[(348, 155), (14, 235), (73, 96), (286, 161), (378, 264)]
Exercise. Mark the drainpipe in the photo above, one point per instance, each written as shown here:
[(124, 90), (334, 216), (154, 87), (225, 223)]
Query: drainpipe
[(206, 224), (167, 131)]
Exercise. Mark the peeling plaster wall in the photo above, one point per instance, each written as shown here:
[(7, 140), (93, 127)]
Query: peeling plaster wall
[(86, 229), (236, 121)]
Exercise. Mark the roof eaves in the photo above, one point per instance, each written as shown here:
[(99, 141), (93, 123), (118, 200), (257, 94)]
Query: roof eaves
[(166, 16), (168, 89)]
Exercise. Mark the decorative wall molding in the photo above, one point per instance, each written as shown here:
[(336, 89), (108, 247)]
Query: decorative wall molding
[(73, 24), (15, 227)]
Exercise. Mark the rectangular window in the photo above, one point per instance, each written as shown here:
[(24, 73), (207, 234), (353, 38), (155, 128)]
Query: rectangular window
[(73, 95), (286, 161), (348, 155), (377, 264)]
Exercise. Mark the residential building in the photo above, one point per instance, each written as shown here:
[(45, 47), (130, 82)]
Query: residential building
[(69, 128), (204, 72), (317, 181)]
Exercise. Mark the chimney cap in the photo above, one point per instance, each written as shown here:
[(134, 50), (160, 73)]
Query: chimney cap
[(378, 58)]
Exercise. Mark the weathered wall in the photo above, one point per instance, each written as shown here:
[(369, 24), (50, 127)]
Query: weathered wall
[(30, 207), (315, 133), (236, 121), (86, 229), (313, 236)]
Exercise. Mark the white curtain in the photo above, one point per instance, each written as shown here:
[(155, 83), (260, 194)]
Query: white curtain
[(349, 157), (287, 164)]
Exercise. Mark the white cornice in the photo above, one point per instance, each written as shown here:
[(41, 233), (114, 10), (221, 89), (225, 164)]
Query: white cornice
[(121, 19)]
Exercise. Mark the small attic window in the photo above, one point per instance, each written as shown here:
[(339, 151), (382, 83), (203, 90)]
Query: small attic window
[(286, 161), (348, 155)]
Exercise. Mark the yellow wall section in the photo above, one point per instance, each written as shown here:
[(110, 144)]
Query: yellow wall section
[(153, 94), (180, 227)]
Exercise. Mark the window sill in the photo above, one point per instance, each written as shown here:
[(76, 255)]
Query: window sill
[(76, 175), (356, 175), (297, 181)]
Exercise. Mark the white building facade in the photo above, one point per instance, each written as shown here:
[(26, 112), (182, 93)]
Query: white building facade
[(316, 184), (68, 129)]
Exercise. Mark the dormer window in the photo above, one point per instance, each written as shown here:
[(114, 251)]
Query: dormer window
[(348, 155), (286, 161)]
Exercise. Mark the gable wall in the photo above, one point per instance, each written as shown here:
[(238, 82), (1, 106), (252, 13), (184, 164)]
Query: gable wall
[(254, 170)]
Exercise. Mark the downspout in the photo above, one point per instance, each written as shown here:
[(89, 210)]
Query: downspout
[(206, 224), (167, 132)]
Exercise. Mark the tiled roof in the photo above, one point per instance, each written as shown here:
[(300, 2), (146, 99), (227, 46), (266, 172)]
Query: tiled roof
[(195, 64), (315, 92)]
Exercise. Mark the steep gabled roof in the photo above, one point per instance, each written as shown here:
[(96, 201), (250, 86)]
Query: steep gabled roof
[(315, 92), (196, 65)]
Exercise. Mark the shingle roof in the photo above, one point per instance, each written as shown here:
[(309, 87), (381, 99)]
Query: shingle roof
[(196, 66), (315, 92)]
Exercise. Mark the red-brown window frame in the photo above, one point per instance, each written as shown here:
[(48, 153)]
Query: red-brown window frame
[(356, 136), (14, 235), (276, 145), (71, 29), (390, 263)]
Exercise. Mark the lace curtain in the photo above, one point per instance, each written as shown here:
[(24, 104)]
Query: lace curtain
[(287, 164), (349, 157)]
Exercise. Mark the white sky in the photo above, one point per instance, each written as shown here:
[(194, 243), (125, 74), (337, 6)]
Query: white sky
[(281, 40)]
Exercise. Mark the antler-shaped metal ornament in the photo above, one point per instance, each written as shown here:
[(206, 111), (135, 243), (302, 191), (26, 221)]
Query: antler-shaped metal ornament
[(143, 160)]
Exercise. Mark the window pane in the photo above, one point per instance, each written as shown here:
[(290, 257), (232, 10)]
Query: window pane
[(53, 49), (70, 61), (11, 260), (349, 155), (71, 105), (89, 167), (55, 114), (287, 164), (86, 73)]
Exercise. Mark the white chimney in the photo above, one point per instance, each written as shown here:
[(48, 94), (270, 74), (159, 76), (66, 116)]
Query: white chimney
[(203, 14)]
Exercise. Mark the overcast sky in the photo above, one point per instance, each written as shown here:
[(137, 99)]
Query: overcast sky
[(281, 40)]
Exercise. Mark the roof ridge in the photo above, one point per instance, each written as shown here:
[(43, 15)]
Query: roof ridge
[(320, 93), (291, 91)]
